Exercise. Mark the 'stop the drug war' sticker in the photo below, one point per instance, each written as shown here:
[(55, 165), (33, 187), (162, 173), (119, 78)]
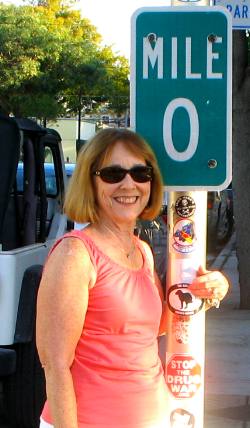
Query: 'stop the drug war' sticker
[(183, 375)]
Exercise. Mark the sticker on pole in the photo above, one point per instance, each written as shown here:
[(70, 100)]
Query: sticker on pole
[(181, 330), (181, 418), (181, 301), (183, 376), (185, 206), (184, 237)]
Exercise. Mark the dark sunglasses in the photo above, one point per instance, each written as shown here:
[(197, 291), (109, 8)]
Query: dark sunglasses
[(115, 174)]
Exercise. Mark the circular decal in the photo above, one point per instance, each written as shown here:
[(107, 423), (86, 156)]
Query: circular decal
[(185, 206), (181, 329), (183, 376), (181, 418), (184, 236), (181, 301)]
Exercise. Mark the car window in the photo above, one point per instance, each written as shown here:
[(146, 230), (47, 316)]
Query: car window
[(69, 168), (19, 177), (49, 170), (50, 178)]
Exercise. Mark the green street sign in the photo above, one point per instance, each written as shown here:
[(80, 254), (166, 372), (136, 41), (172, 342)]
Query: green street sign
[(181, 92)]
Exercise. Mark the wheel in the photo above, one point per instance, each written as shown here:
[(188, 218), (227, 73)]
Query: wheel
[(24, 391), (224, 227)]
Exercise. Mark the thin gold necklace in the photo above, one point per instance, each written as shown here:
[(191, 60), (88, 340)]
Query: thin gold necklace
[(128, 253)]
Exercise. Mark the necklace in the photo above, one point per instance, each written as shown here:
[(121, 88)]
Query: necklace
[(127, 253)]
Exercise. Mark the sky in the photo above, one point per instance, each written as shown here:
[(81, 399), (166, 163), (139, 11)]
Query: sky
[(112, 19)]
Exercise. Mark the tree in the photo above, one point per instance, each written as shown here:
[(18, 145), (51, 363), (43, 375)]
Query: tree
[(241, 161), (29, 55), (101, 81), (118, 82), (49, 57)]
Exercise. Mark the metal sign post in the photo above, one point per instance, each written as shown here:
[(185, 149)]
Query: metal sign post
[(181, 104), (186, 316)]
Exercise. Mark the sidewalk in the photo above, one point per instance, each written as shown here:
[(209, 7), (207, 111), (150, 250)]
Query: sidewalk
[(227, 373)]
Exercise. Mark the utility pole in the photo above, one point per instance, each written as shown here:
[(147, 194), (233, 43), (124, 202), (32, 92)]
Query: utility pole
[(186, 317), (181, 104)]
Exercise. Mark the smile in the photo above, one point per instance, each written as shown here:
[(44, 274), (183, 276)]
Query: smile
[(126, 199)]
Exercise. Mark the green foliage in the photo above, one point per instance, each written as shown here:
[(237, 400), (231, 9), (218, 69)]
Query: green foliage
[(52, 62), (119, 91)]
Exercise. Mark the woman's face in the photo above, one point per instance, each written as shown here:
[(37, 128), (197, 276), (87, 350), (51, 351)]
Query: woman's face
[(122, 202)]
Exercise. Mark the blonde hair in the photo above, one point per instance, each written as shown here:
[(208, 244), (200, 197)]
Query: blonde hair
[(80, 202)]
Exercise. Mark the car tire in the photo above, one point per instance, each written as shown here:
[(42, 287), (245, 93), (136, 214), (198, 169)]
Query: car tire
[(225, 224)]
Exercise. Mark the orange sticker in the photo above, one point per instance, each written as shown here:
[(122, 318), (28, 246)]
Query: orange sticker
[(183, 376)]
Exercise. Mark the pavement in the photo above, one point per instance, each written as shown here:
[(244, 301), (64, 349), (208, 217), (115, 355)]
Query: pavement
[(227, 365)]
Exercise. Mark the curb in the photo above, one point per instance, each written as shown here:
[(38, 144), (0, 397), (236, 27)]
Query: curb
[(224, 254)]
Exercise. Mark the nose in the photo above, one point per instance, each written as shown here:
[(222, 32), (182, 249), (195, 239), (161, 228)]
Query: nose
[(128, 182)]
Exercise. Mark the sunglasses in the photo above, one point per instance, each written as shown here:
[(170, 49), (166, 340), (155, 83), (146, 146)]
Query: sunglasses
[(115, 174)]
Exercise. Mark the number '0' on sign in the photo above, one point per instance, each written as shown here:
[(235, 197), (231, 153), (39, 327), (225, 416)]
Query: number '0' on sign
[(153, 53)]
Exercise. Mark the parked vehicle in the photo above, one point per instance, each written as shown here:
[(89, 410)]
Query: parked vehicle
[(50, 177), (31, 218), (220, 217)]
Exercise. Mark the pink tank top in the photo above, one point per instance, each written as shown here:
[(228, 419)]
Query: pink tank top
[(117, 374)]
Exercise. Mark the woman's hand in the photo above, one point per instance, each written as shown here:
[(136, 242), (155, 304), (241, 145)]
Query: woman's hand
[(210, 285)]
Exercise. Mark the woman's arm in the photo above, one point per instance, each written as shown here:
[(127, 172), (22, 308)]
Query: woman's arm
[(61, 308)]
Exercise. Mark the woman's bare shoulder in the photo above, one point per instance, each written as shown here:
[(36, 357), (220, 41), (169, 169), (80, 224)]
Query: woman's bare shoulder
[(70, 257), (148, 252), (147, 248)]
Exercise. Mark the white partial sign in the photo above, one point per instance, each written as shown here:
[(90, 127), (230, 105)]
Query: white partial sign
[(240, 11)]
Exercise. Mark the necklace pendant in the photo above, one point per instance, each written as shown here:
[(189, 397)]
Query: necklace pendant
[(132, 249)]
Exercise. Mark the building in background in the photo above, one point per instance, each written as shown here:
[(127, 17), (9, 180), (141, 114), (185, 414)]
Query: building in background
[(68, 129)]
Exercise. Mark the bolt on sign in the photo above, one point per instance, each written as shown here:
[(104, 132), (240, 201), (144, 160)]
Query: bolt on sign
[(181, 92)]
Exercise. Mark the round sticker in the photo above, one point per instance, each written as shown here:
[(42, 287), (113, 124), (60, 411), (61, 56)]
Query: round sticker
[(185, 206), (181, 418), (183, 376), (181, 301), (184, 236)]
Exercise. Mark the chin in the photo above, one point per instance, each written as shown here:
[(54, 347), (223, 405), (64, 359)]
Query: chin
[(126, 218)]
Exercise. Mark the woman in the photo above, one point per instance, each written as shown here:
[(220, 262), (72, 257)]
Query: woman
[(99, 305)]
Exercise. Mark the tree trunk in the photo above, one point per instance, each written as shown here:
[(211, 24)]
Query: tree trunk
[(241, 161)]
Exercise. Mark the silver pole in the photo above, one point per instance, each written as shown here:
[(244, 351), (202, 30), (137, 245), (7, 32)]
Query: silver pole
[(185, 356)]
